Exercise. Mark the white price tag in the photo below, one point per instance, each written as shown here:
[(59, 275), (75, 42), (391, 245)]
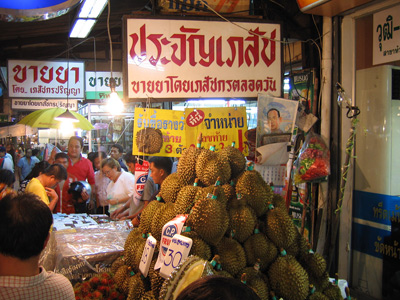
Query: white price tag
[(178, 251), (147, 255)]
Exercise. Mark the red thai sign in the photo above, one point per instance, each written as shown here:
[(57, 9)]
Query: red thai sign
[(176, 58), (45, 79)]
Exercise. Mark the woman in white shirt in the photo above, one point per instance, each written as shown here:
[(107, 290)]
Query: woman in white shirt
[(121, 187)]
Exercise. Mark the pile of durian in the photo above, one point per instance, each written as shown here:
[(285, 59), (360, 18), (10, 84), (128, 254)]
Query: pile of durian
[(237, 224)]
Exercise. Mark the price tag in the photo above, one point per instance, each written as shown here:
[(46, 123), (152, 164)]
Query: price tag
[(147, 255), (178, 251)]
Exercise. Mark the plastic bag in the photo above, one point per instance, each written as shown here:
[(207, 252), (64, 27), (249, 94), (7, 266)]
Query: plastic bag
[(313, 163)]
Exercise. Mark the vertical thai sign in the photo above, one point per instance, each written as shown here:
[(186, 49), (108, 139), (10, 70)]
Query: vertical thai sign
[(386, 36), (177, 58), (158, 132), (46, 79), (220, 127), (98, 85)]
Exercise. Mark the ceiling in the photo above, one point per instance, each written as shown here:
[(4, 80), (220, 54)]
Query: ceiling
[(46, 40)]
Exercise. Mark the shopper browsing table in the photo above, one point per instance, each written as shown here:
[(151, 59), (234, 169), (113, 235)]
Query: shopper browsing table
[(121, 188)]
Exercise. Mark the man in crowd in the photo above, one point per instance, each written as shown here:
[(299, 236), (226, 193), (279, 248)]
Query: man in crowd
[(5, 160), (79, 168), (25, 164), (116, 152), (62, 159), (43, 185), (25, 223)]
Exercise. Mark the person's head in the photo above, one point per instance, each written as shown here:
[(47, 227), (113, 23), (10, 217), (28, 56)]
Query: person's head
[(75, 145), (25, 222), (2, 151), (54, 174), (7, 177), (116, 151), (28, 153), (37, 169), (111, 168), (274, 119), (217, 288), (35, 152), (62, 159), (130, 160), (160, 168), (99, 156)]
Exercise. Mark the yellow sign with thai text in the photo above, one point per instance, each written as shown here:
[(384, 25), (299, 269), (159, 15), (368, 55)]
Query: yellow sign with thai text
[(158, 132), (220, 127)]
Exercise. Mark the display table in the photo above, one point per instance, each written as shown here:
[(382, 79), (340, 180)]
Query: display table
[(82, 245)]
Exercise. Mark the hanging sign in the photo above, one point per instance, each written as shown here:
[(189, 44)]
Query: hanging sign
[(45, 79), (158, 132), (182, 59), (98, 85), (386, 36), (220, 127)]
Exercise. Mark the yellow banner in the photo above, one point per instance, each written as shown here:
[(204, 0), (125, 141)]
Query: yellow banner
[(219, 127), (158, 132)]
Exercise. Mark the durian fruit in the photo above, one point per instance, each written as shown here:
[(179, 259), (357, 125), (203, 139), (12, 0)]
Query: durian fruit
[(148, 213), (288, 279), (318, 296), (131, 244), (232, 255), (321, 283), (278, 201), (279, 227), (121, 276), (149, 295), (186, 198), (333, 292), (236, 159), (199, 247), (217, 189), (314, 263), (210, 165), (242, 219), (229, 190), (259, 247), (165, 214), (137, 287), (149, 140), (120, 261), (191, 269), (209, 219), (252, 277), (156, 280), (187, 166), (170, 187), (252, 187)]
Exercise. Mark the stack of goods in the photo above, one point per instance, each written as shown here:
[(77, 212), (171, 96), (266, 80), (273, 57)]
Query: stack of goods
[(239, 228)]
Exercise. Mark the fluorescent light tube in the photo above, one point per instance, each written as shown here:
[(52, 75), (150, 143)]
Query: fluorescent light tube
[(92, 8), (81, 28)]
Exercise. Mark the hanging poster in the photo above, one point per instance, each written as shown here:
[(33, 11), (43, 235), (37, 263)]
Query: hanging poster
[(275, 124), (158, 132), (218, 126)]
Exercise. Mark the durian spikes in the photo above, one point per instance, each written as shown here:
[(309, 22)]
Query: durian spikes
[(243, 278), (347, 291)]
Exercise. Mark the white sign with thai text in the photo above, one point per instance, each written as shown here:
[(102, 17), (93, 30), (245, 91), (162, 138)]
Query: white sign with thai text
[(46, 79), (34, 104), (98, 84), (180, 59), (386, 36)]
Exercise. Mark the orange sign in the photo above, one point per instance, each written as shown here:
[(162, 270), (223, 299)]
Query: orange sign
[(308, 4)]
